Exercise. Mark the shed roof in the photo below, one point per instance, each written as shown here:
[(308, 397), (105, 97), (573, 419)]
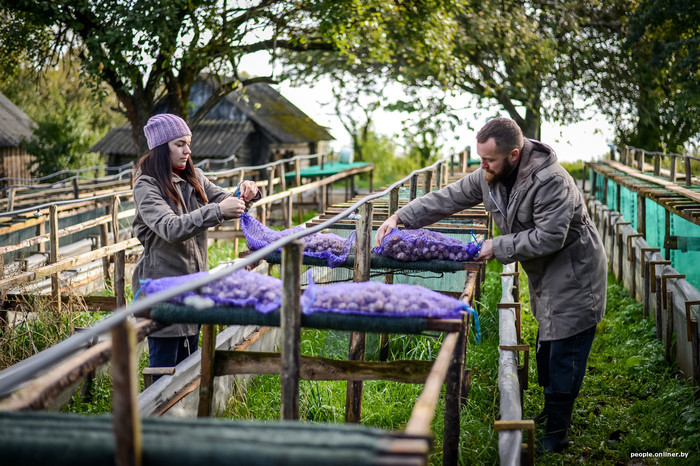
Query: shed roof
[(277, 115), (14, 123), (210, 138)]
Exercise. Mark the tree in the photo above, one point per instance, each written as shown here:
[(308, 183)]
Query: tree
[(151, 51), (662, 48), (70, 117), (531, 57)]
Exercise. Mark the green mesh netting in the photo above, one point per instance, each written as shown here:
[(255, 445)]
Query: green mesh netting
[(628, 205), (67, 439), (687, 256)]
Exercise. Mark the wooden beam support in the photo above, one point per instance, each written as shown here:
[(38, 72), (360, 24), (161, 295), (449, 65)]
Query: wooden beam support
[(125, 411), (290, 321)]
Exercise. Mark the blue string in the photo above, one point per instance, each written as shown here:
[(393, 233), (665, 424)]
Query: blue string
[(472, 311)]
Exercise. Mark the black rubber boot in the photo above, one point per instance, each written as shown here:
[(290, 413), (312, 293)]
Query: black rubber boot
[(541, 417), (556, 436)]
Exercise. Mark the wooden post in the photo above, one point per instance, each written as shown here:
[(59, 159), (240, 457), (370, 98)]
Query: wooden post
[(594, 184), (76, 188), (297, 173), (674, 163), (452, 165), (413, 188), (667, 234), (657, 164), (104, 241), (53, 256), (640, 160), (290, 322), (668, 337), (645, 277), (206, 384), (605, 191), (363, 246), (270, 181), (281, 173), (289, 212), (263, 207), (632, 258), (371, 181), (125, 414), (659, 306), (388, 277), (641, 215), (428, 182), (41, 231), (688, 172), (453, 397), (696, 350), (119, 257)]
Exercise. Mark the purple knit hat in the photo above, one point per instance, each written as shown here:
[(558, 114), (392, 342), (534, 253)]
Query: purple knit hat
[(164, 128)]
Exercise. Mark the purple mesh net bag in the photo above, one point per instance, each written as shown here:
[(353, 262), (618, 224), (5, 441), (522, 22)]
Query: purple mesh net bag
[(240, 288), (328, 246), (422, 244), (373, 298)]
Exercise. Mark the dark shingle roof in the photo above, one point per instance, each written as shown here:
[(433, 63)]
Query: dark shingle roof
[(210, 138), (14, 123), (282, 119)]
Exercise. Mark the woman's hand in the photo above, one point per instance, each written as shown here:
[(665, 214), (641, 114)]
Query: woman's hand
[(248, 190), (232, 207)]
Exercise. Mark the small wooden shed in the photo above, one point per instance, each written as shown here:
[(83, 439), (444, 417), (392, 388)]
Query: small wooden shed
[(15, 125), (257, 125)]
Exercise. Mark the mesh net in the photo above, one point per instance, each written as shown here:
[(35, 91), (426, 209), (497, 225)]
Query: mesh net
[(372, 298), (240, 288), (422, 244), (328, 246)]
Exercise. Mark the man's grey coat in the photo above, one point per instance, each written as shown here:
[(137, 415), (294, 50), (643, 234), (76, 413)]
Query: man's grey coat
[(545, 226)]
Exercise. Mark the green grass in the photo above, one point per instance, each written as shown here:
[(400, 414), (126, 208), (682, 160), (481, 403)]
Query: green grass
[(388, 405), (631, 400)]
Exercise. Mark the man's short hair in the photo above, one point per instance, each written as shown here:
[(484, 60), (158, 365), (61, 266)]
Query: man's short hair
[(505, 132)]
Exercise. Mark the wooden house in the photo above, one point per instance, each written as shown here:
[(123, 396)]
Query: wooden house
[(257, 125), (15, 125)]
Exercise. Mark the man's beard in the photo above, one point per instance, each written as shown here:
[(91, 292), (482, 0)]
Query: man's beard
[(502, 174)]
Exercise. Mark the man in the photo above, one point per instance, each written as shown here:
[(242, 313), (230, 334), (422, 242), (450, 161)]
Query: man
[(544, 225)]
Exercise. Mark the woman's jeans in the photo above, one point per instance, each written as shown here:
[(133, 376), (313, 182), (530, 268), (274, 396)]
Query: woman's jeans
[(170, 351)]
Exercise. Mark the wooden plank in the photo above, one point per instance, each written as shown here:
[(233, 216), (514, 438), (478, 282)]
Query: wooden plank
[(290, 323), (319, 368), (424, 408), (42, 391), (71, 262), (665, 183), (53, 257)]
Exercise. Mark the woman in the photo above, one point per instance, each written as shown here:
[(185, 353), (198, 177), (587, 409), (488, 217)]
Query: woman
[(175, 206)]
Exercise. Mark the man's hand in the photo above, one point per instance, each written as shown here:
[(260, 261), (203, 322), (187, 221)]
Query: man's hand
[(486, 251), (390, 223)]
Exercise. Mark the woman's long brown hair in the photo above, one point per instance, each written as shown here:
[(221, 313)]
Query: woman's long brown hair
[(157, 164)]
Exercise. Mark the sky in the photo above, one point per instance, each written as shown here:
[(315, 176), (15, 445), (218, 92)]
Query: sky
[(585, 140)]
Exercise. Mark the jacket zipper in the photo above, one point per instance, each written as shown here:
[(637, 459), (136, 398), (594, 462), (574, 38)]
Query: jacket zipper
[(497, 206)]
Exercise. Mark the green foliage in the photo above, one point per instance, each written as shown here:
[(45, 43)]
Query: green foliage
[(662, 47), (70, 117), (382, 151), (575, 169), (631, 399), (38, 326)]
